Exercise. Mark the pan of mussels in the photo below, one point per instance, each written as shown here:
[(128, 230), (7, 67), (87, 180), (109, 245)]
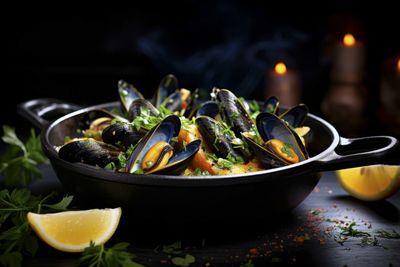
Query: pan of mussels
[(201, 155)]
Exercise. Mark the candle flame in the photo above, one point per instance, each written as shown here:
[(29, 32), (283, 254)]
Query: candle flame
[(280, 68), (398, 65), (349, 40)]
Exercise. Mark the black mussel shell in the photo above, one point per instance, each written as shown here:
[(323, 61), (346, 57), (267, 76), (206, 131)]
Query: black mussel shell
[(89, 151), (127, 94), (295, 116)]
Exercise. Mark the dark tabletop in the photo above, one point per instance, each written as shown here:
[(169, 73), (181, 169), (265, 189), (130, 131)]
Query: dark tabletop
[(306, 237)]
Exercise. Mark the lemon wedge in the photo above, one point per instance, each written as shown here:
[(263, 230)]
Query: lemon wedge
[(72, 231), (370, 183)]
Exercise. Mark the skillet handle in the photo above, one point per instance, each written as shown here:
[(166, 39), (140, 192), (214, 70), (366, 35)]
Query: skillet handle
[(361, 152), (42, 111)]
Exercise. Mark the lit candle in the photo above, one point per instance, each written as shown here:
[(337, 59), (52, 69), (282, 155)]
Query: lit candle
[(284, 84), (348, 60)]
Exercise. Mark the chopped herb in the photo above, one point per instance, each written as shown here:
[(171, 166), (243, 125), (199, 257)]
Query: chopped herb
[(370, 241), (248, 263), (145, 120), (254, 106), (129, 150), (100, 256), (350, 231), (234, 115), (224, 163), (184, 144), (187, 123), (67, 139), (139, 171), (235, 159), (174, 139), (122, 160), (174, 248), (388, 235), (92, 134), (238, 143), (199, 172), (287, 149), (19, 164), (184, 262), (111, 166), (164, 111), (211, 156), (149, 163)]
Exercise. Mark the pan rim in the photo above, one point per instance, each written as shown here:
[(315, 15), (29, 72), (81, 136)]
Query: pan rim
[(162, 180)]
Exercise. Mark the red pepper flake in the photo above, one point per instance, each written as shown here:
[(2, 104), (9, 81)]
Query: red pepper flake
[(163, 261), (253, 251)]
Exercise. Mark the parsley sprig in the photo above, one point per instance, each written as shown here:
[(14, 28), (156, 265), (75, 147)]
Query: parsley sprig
[(100, 256), (19, 165), (16, 237)]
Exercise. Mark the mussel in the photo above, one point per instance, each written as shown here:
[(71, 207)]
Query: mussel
[(295, 116), (122, 135), (271, 127), (218, 139), (138, 105), (167, 86), (280, 145), (271, 105), (127, 94), (233, 111), (89, 151), (154, 152)]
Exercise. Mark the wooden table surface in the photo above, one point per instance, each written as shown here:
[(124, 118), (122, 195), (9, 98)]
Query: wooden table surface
[(306, 237)]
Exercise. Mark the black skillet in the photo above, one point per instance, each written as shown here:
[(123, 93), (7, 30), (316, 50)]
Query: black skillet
[(210, 199)]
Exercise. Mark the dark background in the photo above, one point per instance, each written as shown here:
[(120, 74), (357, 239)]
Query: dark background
[(79, 53)]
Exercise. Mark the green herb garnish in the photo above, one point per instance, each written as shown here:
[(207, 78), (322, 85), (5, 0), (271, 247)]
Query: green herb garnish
[(224, 163), (388, 235), (16, 237), (254, 106), (100, 256), (351, 231), (184, 262), (199, 172), (145, 120), (20, 163), (174, 248), (287, 149)]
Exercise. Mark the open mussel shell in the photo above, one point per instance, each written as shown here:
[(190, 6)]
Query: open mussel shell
[(127, 94), (138, 105), (173, 102), (271, 127), (271, 105), (162, 132), (122, 135), (89, 151), (295, 116), (214, 136), (208, 108), (267, 158), (181, 159), (167, 86), (196, 99), (233, 111)]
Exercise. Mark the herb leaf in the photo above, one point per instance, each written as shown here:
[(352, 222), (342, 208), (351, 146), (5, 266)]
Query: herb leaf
[(184, 262), (388, 235), (16, 237), (19, 163), (100, 256)]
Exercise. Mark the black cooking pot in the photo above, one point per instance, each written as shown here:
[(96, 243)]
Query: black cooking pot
[(171, 199)]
